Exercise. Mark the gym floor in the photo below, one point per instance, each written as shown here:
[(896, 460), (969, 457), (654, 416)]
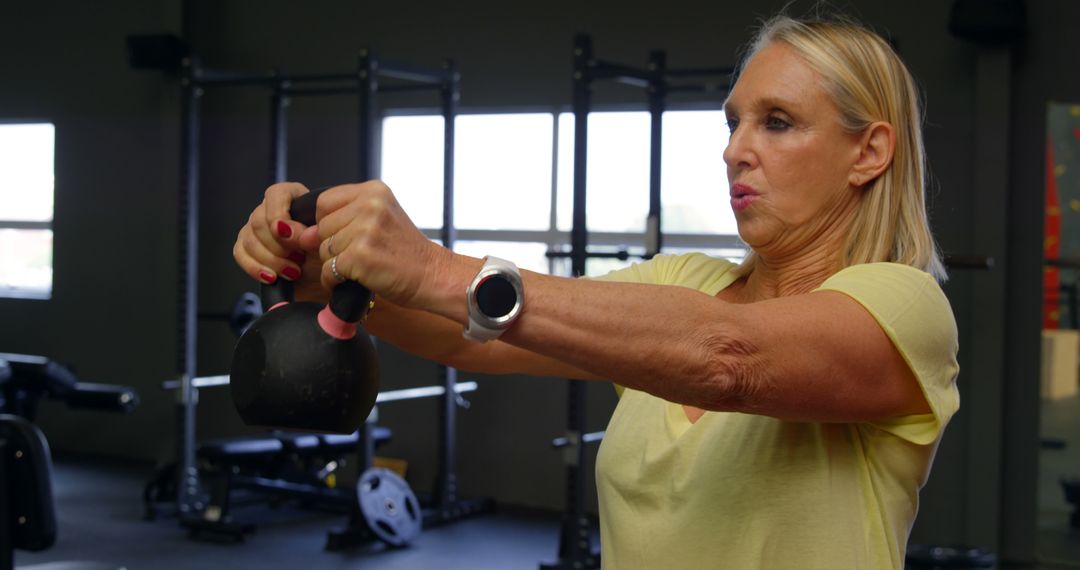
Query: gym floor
[(101, 519)]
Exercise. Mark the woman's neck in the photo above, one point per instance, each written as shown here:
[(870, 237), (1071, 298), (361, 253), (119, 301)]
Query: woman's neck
[(801, 269), (773, 277)]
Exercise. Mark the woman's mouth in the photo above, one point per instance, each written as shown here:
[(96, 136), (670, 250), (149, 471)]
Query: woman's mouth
[(742, 196)]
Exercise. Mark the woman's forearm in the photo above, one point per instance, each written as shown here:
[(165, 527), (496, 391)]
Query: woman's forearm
[(437, 338), (668, 341)]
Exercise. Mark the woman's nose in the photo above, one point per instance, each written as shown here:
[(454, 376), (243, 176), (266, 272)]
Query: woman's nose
[(739, 153)]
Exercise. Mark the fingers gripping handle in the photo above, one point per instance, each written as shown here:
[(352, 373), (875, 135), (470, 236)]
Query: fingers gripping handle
[(350, 300)]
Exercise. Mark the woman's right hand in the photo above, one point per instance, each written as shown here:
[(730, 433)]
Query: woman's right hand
[(268, 246)]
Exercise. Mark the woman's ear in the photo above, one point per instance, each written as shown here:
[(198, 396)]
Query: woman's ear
[(877, 144)]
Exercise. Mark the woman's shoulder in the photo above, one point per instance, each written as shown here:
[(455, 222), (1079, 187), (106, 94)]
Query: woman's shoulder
[(883, 269), (882, 274), (695, 263), (890, 290)]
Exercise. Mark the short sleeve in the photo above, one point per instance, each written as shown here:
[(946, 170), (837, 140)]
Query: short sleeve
[(913, 311), (692, 270)]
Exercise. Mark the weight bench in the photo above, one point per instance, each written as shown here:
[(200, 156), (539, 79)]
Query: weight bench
[(277, 466), (27, 507)]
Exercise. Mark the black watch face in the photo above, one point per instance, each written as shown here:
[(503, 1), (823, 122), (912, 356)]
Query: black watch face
[(496, 297)]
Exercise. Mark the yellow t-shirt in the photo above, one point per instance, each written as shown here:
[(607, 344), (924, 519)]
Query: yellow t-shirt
[(746, 491)]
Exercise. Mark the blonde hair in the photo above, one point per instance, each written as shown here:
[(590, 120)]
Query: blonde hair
[(868, 83)]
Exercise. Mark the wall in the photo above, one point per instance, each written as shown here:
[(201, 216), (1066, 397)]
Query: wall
[(116, 153), (113, 313)]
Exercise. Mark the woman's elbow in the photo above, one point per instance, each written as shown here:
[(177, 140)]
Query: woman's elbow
[(734, 377)]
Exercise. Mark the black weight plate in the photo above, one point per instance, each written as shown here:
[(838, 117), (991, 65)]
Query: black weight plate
[(389, 506)]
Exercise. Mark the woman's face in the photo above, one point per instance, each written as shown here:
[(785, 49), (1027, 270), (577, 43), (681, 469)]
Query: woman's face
[(789, 159)]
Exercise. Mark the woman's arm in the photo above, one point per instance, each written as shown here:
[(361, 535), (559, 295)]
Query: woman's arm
[(814, 357), (819, 356), (437, 338)]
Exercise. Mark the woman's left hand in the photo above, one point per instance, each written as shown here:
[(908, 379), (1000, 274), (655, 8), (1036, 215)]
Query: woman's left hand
[(363, 227)]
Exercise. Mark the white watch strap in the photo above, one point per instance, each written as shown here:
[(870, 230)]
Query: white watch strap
[(474, 330)]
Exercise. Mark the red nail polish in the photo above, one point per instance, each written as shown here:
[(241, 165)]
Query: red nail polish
[(291, 272), (297, 257), (284, 230), (267, 277)]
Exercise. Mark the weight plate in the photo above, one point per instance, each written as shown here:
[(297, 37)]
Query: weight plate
[(389, 506)]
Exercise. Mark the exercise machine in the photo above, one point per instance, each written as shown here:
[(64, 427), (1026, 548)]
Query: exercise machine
[(25, 379), (27, 505), (27, 508)]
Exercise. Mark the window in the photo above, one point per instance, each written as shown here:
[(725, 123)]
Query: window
[(693, 176), (513, 181), (412, 165), (26, 209), (617, 173), (502, 172)]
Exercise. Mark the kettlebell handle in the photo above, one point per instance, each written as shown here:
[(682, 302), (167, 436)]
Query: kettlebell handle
[(349, 300)]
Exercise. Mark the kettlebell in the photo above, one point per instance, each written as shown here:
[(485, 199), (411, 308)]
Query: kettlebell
[(306, 366)]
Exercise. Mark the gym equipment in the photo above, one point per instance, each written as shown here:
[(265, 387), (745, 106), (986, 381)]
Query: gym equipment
[(27, 511), (27, 508), (303, 366), (389, 506), (31, 377), (274, 468), (29, 517), (923, 557), (371, 77), (247, 308), (282, 466)]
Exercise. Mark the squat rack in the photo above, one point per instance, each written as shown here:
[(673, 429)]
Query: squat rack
[(171, 54), (576, 539)]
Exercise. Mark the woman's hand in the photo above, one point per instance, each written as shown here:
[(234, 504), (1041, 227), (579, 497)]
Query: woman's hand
[(365, 236), (269, 248)]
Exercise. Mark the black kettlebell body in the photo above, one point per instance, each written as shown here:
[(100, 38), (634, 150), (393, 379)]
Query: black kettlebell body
[(287, 372), (306, 366)]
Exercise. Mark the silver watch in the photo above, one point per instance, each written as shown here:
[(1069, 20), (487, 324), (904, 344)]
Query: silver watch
[(495, 299)]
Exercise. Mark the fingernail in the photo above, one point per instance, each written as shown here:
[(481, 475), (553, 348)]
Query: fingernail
[(284, 230), (291, 272), (297, 257), (267, 277)]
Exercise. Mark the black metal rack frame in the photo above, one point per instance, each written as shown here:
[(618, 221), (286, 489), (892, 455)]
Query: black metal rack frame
[(445, 505)]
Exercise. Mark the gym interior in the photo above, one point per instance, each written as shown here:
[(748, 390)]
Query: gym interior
[(137, 137)]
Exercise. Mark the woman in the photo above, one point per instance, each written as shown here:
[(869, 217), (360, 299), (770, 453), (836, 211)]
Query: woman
[(779, 414)]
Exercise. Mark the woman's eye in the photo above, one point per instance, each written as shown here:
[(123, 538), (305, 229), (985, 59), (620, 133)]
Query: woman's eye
[(732, 124), (776, 123)]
